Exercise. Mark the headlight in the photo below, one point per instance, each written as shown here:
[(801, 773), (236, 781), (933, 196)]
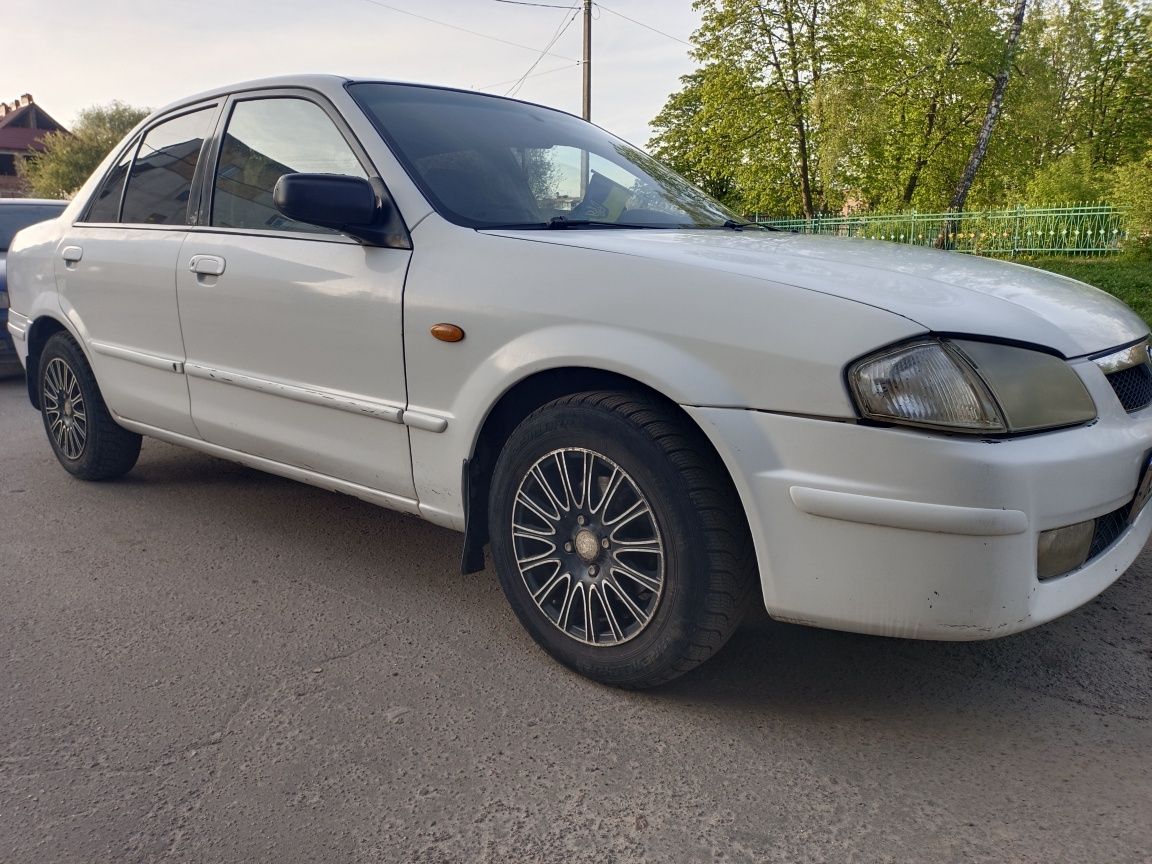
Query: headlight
[(968, 386)]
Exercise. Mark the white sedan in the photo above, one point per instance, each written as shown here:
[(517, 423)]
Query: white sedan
[(503, 319)]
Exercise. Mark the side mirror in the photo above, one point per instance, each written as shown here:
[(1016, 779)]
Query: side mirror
[(346, 204)]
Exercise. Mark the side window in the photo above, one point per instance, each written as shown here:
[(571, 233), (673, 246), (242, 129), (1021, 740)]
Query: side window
[(105, 207), (161, 177), (265, 139)]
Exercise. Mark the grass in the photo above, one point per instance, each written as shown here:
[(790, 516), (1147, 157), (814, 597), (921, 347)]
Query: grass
[(1128, 278)]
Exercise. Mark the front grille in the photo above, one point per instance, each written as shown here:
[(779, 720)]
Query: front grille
[(1133, 386), (1109, 527)]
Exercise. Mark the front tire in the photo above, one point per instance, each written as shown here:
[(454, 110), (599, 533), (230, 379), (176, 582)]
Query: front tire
[(86, 440), (619, 539)]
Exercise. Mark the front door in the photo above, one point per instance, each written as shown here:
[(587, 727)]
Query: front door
[(293, 332)]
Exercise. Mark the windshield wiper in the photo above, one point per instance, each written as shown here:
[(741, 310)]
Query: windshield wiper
[(513, 226), (733, 225), (561, 222)]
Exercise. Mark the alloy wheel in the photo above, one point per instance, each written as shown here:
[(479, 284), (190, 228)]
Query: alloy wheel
[(65, 409), (588, 547)]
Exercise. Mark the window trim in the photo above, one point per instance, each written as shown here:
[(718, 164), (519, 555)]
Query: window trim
[(133, 146)]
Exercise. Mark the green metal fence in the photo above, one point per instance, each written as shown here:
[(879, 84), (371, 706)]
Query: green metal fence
[(1086, 229)]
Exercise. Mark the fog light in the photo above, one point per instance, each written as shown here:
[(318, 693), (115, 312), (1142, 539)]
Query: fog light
[(1062, 550)]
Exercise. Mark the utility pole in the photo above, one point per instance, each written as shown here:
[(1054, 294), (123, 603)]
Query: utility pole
[(587, 115), (587, 112)]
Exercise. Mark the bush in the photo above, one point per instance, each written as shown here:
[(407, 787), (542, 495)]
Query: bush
[(1132, 188), (1072, 177)]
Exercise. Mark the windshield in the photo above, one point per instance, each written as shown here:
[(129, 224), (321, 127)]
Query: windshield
[(488, 162), (13, 217)]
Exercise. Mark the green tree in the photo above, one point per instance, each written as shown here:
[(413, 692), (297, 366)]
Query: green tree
[(69, 158), (1000, 77), (803, 106), (708, 133), (689, 141), (749, 115), (905, 97), (1090, 73), (1114, 104)]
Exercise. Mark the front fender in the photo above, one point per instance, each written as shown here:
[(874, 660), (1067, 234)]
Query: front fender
[(697, 336), (663, 366), (436, 457)]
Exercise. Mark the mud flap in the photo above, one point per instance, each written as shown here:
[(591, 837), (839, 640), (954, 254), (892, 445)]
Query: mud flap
[(475, 536)]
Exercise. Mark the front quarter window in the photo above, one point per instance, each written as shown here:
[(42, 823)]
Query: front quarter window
[(488, 162)]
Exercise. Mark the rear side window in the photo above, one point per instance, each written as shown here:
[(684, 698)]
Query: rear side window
[(160, 181), (266, 139), (105, 206)]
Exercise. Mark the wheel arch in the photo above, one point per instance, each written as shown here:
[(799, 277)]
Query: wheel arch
[(508, 411), (41, 330)]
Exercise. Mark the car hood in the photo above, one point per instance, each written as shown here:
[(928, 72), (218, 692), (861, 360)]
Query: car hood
[(945, 292)]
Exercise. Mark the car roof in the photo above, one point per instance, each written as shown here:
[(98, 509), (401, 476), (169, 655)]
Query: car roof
[(325, 84)]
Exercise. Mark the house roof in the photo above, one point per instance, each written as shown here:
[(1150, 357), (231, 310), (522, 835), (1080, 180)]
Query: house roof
[(23, 124), (26, 114), (22, 139)]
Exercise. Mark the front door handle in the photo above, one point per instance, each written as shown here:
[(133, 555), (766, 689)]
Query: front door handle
[(71, 254), (206, 265)]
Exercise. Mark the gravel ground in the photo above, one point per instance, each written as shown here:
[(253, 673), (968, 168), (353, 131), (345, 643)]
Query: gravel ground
[(204, 663)]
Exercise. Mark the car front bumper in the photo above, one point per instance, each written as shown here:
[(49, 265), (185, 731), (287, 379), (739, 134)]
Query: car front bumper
[(900, 533)]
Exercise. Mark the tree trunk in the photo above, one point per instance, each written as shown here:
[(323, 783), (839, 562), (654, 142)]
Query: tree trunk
[(805, 180), (801, 119), (921, 152), (956, 205)]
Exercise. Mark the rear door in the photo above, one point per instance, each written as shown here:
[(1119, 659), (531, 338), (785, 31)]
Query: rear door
[(115, 270), (293, 332)]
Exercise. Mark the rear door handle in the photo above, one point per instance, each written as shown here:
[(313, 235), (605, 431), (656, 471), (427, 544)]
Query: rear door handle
[(206, 265), (71, 254)]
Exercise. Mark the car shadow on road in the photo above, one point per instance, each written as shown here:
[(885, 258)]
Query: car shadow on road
[(1097, 657)]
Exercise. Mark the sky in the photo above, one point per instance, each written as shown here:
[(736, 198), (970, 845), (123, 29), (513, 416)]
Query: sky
[(71, 54)]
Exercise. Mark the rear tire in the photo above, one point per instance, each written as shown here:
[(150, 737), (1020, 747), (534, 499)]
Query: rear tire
[(86, 440), (619, 539)]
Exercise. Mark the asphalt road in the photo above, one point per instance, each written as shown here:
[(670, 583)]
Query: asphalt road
[(204, 663)]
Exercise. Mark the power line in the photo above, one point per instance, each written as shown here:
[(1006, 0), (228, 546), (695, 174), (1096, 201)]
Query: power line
[(645, 26), (541, 5), (534, 75), (560, 31), (465, 29)]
